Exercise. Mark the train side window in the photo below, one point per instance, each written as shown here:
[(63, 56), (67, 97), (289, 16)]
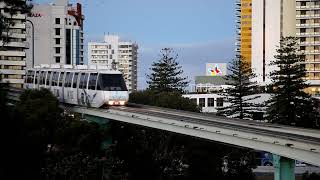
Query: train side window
[(27, 77), (93, 81), (67, 79), (61, 79), (54, 81), (85, 81), (30, 76), (48, 78), (70, 79), (36, 77), (81, 81), (42, 77), (75, 80)]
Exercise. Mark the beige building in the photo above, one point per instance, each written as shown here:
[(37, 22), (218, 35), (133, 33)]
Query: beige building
[(12, 54), (308, 31), (272, 19)]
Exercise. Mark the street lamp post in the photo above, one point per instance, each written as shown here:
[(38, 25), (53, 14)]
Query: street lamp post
[(32, 26)]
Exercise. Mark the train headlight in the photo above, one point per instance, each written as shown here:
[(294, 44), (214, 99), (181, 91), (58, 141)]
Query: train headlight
[(111, 102), (122, 103)]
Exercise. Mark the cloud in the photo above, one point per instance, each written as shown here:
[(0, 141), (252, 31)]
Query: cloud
[(192, 57)]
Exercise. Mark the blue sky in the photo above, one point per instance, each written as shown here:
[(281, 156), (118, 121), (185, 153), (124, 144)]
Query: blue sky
[(200, 31)]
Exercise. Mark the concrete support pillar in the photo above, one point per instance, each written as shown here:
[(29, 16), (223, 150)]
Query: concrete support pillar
[(105, 124), (283, 168)]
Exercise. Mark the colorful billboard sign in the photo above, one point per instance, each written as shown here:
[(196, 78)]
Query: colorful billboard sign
[(216, 69)]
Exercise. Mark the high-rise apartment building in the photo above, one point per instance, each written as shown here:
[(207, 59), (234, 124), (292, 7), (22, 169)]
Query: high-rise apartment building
[(12, 54), (308, 31), (272, 19), (58, 34), (122, 55), (244, 27)]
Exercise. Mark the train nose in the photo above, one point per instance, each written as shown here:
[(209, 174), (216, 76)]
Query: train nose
[(118, 98)]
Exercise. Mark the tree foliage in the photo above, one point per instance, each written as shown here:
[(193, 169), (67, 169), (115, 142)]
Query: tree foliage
[(144, 153), (172, 100), (242, 92), (310, 176), (166, 75), (289, 104), (41, 141)]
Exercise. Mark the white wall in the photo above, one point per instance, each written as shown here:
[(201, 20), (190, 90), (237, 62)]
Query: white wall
[(257, 39), (274, 28)]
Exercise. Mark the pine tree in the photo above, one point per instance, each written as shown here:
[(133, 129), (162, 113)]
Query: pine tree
[(166, 74), (289, 104), (242, 90)]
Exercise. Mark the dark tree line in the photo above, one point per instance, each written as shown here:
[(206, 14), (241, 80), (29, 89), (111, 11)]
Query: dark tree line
[(40, 141)]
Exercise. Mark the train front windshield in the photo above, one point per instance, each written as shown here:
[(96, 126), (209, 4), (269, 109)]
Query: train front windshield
[(111, 82)]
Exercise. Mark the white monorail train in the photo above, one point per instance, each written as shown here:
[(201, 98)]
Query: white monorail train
[(93, 88)]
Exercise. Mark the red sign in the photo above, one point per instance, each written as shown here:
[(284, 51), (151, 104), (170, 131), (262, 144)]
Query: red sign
[(35, 15)]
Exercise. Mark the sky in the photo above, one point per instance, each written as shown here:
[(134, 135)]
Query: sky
[(200, 31)]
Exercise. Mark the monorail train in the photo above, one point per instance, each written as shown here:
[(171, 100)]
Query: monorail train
[(93, 88)]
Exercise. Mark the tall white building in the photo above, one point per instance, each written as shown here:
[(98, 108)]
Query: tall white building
[(271, 19), (114, 53), (12, 54), (58, 34)]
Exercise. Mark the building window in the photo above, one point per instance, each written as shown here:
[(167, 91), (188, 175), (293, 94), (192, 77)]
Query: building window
[(57, 31), (210, 102), (194, 100), (57, 40), (202, 102), (219, 102), (57, 50), (57, 59), (57, 20)]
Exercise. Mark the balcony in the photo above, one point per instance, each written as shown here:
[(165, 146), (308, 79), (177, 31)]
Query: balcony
[(12, 63), (308, 34), (308, 16), (12, 71), (314, 43), (312, 7), (310, 52)]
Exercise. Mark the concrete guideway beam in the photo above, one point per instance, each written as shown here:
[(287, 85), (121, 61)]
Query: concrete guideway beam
[(285, 147)]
